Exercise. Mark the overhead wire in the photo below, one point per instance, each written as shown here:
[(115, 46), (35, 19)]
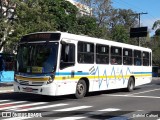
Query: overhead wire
[(152, 19)]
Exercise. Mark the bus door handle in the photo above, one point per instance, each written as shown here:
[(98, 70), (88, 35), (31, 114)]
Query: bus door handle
[(72, 74)]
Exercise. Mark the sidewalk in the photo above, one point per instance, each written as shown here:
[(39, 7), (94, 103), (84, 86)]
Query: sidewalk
[(6, 87)]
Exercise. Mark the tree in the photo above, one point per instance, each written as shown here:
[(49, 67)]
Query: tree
[(43, 15), (101, 10), (125, 17), (112, 19), (120, 34), (6, 17), (87, 25), (155, 46), (156, 26)]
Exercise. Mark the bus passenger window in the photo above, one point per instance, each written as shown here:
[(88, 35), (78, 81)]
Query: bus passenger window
[(67, 55), (137, 58), (145, 58), (127, 56), (102, 54), (116, 55), (85, 52)]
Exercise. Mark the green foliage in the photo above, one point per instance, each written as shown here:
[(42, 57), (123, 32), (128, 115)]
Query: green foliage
[(157, 32), (156, 24), (43, 15), (156, 40), (125, 17), (120, 34)]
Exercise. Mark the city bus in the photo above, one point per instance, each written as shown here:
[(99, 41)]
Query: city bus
[(60, 63)]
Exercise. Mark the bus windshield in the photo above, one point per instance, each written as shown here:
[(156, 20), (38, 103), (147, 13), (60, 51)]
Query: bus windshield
[(37, 57)]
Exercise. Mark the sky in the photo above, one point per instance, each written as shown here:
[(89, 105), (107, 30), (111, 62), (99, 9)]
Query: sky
[(152, 7)]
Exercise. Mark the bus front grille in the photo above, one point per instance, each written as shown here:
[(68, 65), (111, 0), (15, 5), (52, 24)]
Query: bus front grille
[(22, 82), (30, 83)]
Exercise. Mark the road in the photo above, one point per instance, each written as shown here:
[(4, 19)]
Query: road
[(141, 104)]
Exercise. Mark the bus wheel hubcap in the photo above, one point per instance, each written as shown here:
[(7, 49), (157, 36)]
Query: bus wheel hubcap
[(80, 89)]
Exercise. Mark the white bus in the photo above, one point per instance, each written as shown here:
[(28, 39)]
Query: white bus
[(58, 63)]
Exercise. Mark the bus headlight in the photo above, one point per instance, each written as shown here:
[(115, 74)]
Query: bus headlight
[(51, 79), (15, 79)]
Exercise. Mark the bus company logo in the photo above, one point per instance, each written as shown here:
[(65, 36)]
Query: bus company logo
[(92, 70), (6, 114)]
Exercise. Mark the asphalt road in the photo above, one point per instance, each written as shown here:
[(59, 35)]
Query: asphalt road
[(141, 104)]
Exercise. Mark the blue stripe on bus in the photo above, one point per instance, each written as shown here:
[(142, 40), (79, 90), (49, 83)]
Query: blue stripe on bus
[(69, 73), (142, 72), (57, 73)]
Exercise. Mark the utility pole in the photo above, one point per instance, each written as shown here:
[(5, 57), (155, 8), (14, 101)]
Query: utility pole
[(139, 17)]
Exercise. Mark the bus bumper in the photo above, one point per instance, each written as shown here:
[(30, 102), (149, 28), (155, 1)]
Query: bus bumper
[(49, 89)]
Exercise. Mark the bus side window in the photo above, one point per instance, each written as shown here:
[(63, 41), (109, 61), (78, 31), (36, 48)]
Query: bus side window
[(67, 55), (127, 56), (116, 55), (85, 52), (102, 54), (145, 58), (137, 58)]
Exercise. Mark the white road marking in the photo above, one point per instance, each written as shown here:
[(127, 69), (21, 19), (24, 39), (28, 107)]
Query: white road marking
[(98, 112), (13, 102), (70, 118), (4, 100), (73, 108), (144, 92), (7, 105), (23, 105), (42, 107), (134, 96), (109, 109)]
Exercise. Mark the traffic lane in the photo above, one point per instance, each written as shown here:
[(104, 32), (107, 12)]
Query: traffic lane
[(119, 100)]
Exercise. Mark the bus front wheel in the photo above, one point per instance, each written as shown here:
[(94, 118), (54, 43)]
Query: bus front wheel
[(131, 84), (81, 89)]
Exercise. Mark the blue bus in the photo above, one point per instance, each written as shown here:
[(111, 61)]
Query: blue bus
[(6, 67), (155, 71)]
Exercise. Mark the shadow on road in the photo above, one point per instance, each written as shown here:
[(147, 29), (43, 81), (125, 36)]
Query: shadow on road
[(44, 98)]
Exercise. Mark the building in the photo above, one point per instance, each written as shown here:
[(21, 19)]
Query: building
[(83, 9)]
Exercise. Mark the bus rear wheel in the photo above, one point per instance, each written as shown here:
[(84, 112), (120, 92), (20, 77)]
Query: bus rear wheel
[(81, 89), (131, 84)]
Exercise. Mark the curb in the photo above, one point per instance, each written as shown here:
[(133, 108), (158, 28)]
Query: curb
[(155, 78), (6, 91)]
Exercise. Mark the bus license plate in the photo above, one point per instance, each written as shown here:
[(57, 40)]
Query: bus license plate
[(28, 89)]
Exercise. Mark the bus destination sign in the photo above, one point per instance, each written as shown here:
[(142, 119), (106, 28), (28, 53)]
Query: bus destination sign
[(41, 37)]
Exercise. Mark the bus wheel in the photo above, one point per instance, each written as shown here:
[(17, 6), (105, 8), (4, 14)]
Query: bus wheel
[(131, 84), (81, 89)]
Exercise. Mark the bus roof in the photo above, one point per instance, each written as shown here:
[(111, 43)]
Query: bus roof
[(65, 35)]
